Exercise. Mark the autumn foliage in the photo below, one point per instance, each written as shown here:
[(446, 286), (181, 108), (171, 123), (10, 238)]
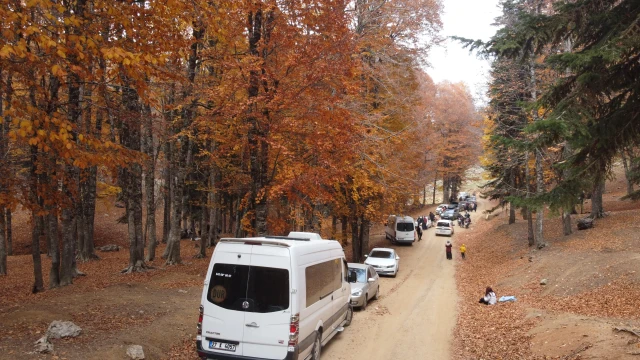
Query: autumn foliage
[(246, 117)]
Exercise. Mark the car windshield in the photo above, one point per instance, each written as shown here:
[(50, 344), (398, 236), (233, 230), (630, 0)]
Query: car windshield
[(443, 224), (381, 254), (361, 274), (249, 288), (404, 226), (449, 212)]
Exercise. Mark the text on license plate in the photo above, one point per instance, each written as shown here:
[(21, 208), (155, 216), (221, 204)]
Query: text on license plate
[(222, 346)]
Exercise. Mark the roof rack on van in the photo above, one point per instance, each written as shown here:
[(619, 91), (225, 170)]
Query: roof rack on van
[(286, 238)]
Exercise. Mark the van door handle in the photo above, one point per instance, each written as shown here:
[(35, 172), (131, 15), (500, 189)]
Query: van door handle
[(253, 325)]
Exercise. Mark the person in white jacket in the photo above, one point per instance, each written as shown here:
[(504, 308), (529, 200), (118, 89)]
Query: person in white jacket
[(489, 297)]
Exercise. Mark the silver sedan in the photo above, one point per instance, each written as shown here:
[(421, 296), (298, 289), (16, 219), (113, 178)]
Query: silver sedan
[(366, 287)]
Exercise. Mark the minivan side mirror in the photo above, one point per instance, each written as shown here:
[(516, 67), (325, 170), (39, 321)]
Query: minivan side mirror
[(352, 277), (371, 280), (397, 257), (366, 256)]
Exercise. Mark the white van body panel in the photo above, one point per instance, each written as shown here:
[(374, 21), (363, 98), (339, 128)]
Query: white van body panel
[(265, 335), (396, 234)]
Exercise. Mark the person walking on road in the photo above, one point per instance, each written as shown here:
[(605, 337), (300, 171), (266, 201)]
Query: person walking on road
[(475, 206), (448, 247), (432, 216), (419, 231), (463, 250)]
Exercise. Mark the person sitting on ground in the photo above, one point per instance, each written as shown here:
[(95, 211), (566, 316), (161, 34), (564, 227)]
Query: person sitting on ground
[(448, 247), (489, 297)]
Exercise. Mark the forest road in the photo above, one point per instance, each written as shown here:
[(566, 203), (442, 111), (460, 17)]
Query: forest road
[(416, 313)]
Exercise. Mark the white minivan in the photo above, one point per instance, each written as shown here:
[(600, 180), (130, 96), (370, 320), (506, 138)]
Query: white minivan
[(400, 229), (273, 297)]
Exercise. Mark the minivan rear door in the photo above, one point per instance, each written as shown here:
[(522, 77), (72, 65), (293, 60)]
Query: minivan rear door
[(224, 317), (267, 319)]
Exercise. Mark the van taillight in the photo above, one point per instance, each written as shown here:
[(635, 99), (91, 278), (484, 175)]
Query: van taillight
[(294, 331), (200, 320)]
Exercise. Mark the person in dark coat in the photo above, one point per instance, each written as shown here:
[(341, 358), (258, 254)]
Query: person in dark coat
[(448, 248), (432, 216), (419, 231)]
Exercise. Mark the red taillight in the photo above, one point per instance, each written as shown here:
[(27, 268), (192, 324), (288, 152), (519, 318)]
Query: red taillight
[(294, 330), (200, 320)]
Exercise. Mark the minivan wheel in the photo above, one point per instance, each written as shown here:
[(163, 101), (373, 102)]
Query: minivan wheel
[(349, 316), (364, 303), (317, 346), (377, 295)]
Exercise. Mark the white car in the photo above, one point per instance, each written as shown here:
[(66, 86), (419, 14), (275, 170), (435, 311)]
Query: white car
[(384, 261), (444, 227)]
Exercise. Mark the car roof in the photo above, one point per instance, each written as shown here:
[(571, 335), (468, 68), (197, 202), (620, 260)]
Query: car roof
[(357, 266), (382, 249)]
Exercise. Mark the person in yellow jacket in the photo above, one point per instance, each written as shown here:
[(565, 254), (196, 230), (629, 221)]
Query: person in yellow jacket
[(463, 250)]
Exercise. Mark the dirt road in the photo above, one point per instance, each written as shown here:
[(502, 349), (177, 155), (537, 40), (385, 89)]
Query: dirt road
[(416, 313)]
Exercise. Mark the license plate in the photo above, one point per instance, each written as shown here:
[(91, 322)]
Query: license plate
[(222, 346)]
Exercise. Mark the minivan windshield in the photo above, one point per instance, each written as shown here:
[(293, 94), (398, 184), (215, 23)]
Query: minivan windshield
[(361, 274), (443, 224), (404, 226), (381, 254), (249, 288)]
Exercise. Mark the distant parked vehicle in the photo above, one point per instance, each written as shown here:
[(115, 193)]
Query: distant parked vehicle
[(444, 227), (366, 287), (441, 208), (384, 261), (451, 214), (400, 229)]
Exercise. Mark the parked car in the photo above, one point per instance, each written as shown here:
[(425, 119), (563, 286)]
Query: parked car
[(450, 214), (400, 229), (366, 287), (444, 227), (384, 261), (273, 297), (441, 208)]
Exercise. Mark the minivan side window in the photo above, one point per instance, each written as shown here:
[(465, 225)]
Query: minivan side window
[(249, 288), (322, 280)]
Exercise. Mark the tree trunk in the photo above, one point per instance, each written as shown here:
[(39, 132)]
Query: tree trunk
[(597, 210), (512, 209), (9, 233), (66, 269), (530, 232), (566, 211), (3, 249), (166, 225), (177, 181), (334, 226), (435, 184), (540, 211), (132, 176), (38, 284), (364, 237), (54, 249), (344, 222), (150, 189), (626, 162), (355, 239)]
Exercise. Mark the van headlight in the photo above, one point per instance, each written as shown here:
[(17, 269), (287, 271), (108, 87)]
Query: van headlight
[(390, 266), (356, 292)]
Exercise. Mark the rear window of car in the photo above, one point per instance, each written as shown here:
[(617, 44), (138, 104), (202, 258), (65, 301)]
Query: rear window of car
[(381, 254), (249, 288), (404, 226), (443, 224)]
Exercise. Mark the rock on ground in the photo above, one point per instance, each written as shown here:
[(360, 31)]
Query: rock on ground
[(108, 248), (135, 352), (543, 282), (43, 346), (62, 329)]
